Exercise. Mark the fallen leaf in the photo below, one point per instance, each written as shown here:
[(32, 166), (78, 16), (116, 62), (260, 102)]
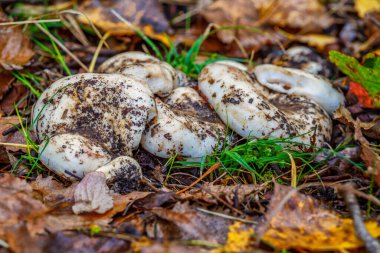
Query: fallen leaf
[(252, 17), (5, 83), (12, 97), (18, 208), (366, 74), (153, 200), (92, 194), (183, 222), (208, 192), (145, 14), (75, 242), (303, 223), (15, 46), (365, 6), (239, 239), (15, 137)]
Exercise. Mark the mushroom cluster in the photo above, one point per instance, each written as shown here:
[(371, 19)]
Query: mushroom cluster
[(93, 122)]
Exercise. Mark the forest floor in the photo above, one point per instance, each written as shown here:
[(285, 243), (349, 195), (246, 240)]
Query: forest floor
[(255, 195)]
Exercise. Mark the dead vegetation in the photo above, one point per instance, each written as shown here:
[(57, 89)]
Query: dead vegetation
[(253, 194)]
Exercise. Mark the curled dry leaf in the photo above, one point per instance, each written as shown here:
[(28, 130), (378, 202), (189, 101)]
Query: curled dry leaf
[(303, 223), (145, 14), (186, 223), (92, 194), (15, 47)]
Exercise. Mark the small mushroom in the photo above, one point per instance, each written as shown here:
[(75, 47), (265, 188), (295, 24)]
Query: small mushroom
[(298, 82), (177, 132), (87, 125), (161, 77), (253, 110)]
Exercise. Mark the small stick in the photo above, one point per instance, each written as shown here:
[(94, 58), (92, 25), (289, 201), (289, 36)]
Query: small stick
[(371, 243), (73, 175), (14, 128), (212, 168)]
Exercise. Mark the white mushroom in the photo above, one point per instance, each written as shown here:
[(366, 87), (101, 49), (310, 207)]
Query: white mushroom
[(188, 100), (161, 77), (175, 132), (298, 82), (111, 109), (72, 156), (252, 110), (90, 119)]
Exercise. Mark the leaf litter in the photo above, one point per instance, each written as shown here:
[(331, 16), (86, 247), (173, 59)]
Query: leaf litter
[(224, 211)]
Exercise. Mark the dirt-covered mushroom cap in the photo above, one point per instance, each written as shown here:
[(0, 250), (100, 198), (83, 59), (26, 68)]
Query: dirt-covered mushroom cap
[(298, 82), (122, 173), (188, 100), (252, 110), (175, 132), (110, 108), (72, 156), (161, 77)]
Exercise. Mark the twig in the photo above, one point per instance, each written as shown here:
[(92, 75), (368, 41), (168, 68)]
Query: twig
[(371, 243), (14, 128), (226, 216), (212, 168)]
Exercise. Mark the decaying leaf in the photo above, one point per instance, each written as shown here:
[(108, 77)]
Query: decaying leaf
[(13, 96), (208, 192), (15, 47), (16, 137), (365, 6), (239, 239), (368, 154), (303, 223), (18, 208), (186, 223), (145, 14), (92, 194), (251, 16)]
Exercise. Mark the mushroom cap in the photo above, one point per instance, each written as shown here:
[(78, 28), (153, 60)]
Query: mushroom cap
[(86, 104), (298, 82), (173, 132), (188, 100), (161, 77), (72, 154), (252, 110)]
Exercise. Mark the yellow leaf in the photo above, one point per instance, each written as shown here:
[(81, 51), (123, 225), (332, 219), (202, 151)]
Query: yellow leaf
[(239, 239), (365, 6)]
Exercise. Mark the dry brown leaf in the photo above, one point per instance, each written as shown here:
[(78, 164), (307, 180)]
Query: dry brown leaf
[(368, 154), (18, 208), (252, 16), (15, 46), (16, 137), (5, 83), (303, 223), (14, 95), (208, 192), (186, 223), (92, 194), (145, 14)]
